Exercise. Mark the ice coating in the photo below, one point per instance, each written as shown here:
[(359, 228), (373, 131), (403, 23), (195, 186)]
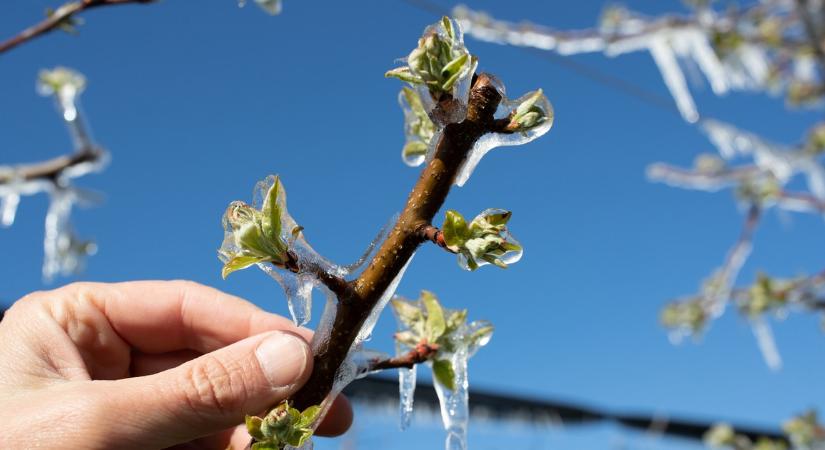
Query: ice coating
[(490, 141)]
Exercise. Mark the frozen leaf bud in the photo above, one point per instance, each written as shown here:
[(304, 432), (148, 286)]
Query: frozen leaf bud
[(530, 113), (438, 62), (720, 435), (283, 426), (816, 140), (253, 236), (485, 240), (687, 315), (426, 321), (54, 80), (805, 431)]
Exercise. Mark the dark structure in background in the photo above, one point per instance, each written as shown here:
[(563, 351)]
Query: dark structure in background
[(500, 406)]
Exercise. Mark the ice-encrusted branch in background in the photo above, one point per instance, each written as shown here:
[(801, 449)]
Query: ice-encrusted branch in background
[(759, 184), (65, 18), (761, 46), (64, 252)]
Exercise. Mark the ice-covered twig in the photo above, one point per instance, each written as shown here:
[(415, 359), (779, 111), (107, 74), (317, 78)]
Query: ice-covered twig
[(757, 46), (62, 18), (417, 355), (64, 252)]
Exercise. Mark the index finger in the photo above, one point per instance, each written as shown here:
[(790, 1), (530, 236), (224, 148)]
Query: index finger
[(165, 316)]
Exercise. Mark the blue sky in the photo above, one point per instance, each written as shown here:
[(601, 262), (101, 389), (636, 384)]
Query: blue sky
[(198, 102)]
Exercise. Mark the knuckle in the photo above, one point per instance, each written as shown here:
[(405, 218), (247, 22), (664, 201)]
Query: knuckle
[(213, 388)]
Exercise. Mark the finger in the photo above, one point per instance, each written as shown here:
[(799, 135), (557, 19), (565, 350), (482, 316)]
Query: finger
[(208, 394), (143, 364), (164, 316)]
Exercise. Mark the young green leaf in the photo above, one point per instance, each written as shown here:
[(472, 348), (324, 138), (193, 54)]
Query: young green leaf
[(407, 313), (455, 230), (253, 426), (271, 220), (435, 324), (444, 373), (309, 415), (238, 263)]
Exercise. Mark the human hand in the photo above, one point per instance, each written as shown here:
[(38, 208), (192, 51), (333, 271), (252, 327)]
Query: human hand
[(145, 365)]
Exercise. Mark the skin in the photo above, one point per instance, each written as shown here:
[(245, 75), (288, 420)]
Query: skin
[(143, 365)]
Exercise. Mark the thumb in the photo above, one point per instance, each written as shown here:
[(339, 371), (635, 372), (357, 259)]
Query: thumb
[(210, 393)]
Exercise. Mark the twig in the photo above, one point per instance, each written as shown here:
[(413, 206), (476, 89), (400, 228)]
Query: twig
[(434, 235), (421, 353), (50, 169), (58, 18)]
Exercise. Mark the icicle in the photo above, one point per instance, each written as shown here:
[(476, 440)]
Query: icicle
[(454, 403), (8, 207), (63, 252), (492, 140), (705, 57), (767, 344), (406, 390), (674, 78)]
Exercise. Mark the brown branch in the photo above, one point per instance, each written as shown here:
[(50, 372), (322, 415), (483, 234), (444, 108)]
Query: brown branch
[(423, 203), (58, 18), (421, 353), (51, 169)]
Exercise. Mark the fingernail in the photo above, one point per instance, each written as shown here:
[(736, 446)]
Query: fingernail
[(283, 358)]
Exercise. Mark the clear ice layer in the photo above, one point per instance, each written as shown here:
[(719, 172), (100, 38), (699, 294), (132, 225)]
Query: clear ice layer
[(490, 141)]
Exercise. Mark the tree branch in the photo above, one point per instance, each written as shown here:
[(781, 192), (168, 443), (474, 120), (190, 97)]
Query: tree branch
[(58, 18), (423, 203)]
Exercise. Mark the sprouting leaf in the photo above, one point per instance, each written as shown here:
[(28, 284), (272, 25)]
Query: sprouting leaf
[(271, 220), (499, 218), (436, 324), (445, 374), (448, 26), (238, 263), (253, 426), (265, 446), (407, 313), (455, 320), (455, 230)]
